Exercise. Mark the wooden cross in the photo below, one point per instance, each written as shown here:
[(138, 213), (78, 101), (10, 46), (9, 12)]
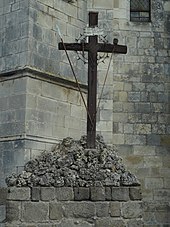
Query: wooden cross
[(93, 47)]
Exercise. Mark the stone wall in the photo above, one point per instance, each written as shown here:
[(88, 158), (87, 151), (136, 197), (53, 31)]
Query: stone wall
[(36, 114), (43, 38), (14, 32), (95, 206), (140, 93), (38, 105), (39, 100), (29, 37)]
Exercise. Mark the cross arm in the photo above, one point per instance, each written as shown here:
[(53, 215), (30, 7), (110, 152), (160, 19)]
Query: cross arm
[(100, 47), (73, 46), (109, 48)]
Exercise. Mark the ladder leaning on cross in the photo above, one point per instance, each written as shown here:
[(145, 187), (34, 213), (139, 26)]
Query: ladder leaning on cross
[(92, 47)]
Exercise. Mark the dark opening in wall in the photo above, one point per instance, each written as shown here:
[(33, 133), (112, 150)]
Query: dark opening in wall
[(140, 10)]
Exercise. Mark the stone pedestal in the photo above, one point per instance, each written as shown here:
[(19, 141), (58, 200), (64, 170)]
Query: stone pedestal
[(68, 206)]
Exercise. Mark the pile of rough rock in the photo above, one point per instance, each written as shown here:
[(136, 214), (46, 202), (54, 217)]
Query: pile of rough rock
[(70, 164)]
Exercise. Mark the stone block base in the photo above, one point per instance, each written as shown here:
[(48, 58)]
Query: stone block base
[(79, 207)]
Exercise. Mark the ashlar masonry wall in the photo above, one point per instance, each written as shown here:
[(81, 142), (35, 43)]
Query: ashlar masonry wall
[(140, 93), (39, 100), (28, 35), (67, 206), (36, 113)]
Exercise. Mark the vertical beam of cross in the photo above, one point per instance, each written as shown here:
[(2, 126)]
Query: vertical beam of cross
[(92, 83), (93, 47)]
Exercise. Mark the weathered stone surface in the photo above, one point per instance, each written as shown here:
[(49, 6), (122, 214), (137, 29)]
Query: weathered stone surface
[(2, 213), (109, 222), (35, 212), (135, 223), (15, 193), (3, 195), (47, 194), (97, 193), (108, 193), (64, 193), (81, 193), (115, 209), (3, 225), (102, 209), (132, 210), (56, 211), (13, 211), (162, 217), (35, 194), (71, 164), (120, 194), (41, 225), (10, 225), (74, 223), (135, 193), (79, 209)]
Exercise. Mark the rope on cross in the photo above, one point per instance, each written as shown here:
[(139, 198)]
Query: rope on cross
[(92, 47)]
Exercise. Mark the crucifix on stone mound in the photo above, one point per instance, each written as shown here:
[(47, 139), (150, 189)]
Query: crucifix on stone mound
[(93, 47)]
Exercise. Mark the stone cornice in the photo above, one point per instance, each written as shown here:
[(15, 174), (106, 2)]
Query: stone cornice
[(40, 75)]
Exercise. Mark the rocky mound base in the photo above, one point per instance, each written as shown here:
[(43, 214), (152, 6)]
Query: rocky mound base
[(71, 164)]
